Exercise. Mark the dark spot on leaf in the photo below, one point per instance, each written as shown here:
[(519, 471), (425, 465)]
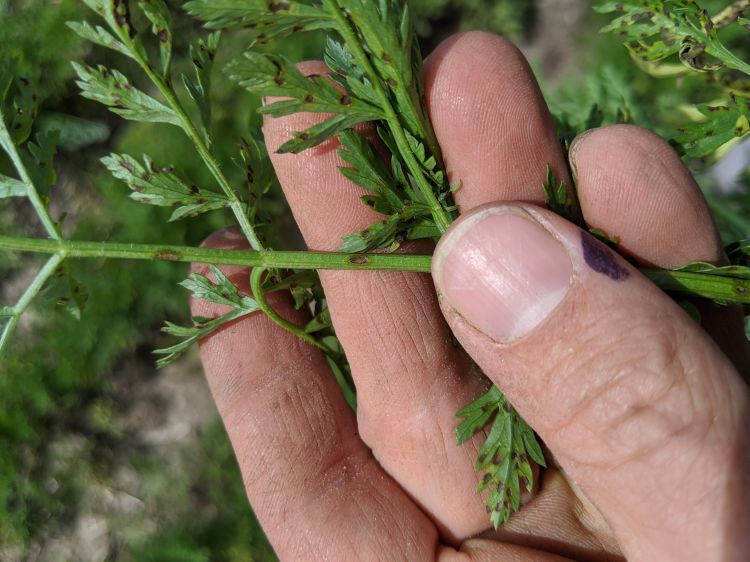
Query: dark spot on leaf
[(642, 16), (601, 259), (386, 57), (278, 6), (741, 290), (304, 136), (194, 190), (392, 83), (309, 98), (163, 35), (146, 176), (250, 25), (346, 100), (298, 28), (279, 80), (497, 459), (198, 64), (359, 260)]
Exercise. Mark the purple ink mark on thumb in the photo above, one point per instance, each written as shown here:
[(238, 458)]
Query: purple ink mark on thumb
[(601, 259)]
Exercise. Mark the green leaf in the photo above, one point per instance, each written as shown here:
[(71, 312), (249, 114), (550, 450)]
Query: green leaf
[(99, 36), (721, 125), (39, 160), (161, 186), (347, 74), (201, 328), (321, 321), (656, 29), (388, 196), (158, 14), (63, 289), (222, 292), (273, 75), (368, 170), (202, 55), (21, 110), (11, 187), (506, 454), (264, 19), (259, 173), (112, 89), (302, 140), (561, 199)]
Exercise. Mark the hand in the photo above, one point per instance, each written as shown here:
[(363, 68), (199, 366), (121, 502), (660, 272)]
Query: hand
[(646, 418)]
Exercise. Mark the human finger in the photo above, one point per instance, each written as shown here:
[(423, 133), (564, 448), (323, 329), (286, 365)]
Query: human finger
[(410, 378), (313, 484), (638, 405)]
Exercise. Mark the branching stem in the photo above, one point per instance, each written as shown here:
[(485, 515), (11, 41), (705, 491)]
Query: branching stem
[(194, 135), (344, 27), (31, 291)]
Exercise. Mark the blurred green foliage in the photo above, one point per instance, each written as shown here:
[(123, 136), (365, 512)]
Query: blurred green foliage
[(55, 383)]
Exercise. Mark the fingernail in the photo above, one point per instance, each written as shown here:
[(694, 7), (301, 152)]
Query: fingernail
[(573, 150), (502, 272)]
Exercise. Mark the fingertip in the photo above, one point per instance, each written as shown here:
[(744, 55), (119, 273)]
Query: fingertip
[(491, 120), (633, 185)]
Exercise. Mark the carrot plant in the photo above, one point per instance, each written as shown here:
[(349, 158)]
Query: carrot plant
[(375, 76)]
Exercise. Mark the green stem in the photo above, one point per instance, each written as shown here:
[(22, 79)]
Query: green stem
[(265, 259), (259, 294), (194, 135), (31, 192), (704, 285), (31, 291), (344, 27)]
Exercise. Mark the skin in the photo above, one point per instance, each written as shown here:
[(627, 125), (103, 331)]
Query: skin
[(390, 483)]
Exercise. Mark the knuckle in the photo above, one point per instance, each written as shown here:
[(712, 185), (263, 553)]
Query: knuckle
[(635, 395)]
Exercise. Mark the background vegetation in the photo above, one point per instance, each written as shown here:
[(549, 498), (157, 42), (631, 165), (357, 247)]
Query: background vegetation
[(76, 464)]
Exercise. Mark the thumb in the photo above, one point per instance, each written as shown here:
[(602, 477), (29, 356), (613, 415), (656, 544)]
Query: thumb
[(638, 405)]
